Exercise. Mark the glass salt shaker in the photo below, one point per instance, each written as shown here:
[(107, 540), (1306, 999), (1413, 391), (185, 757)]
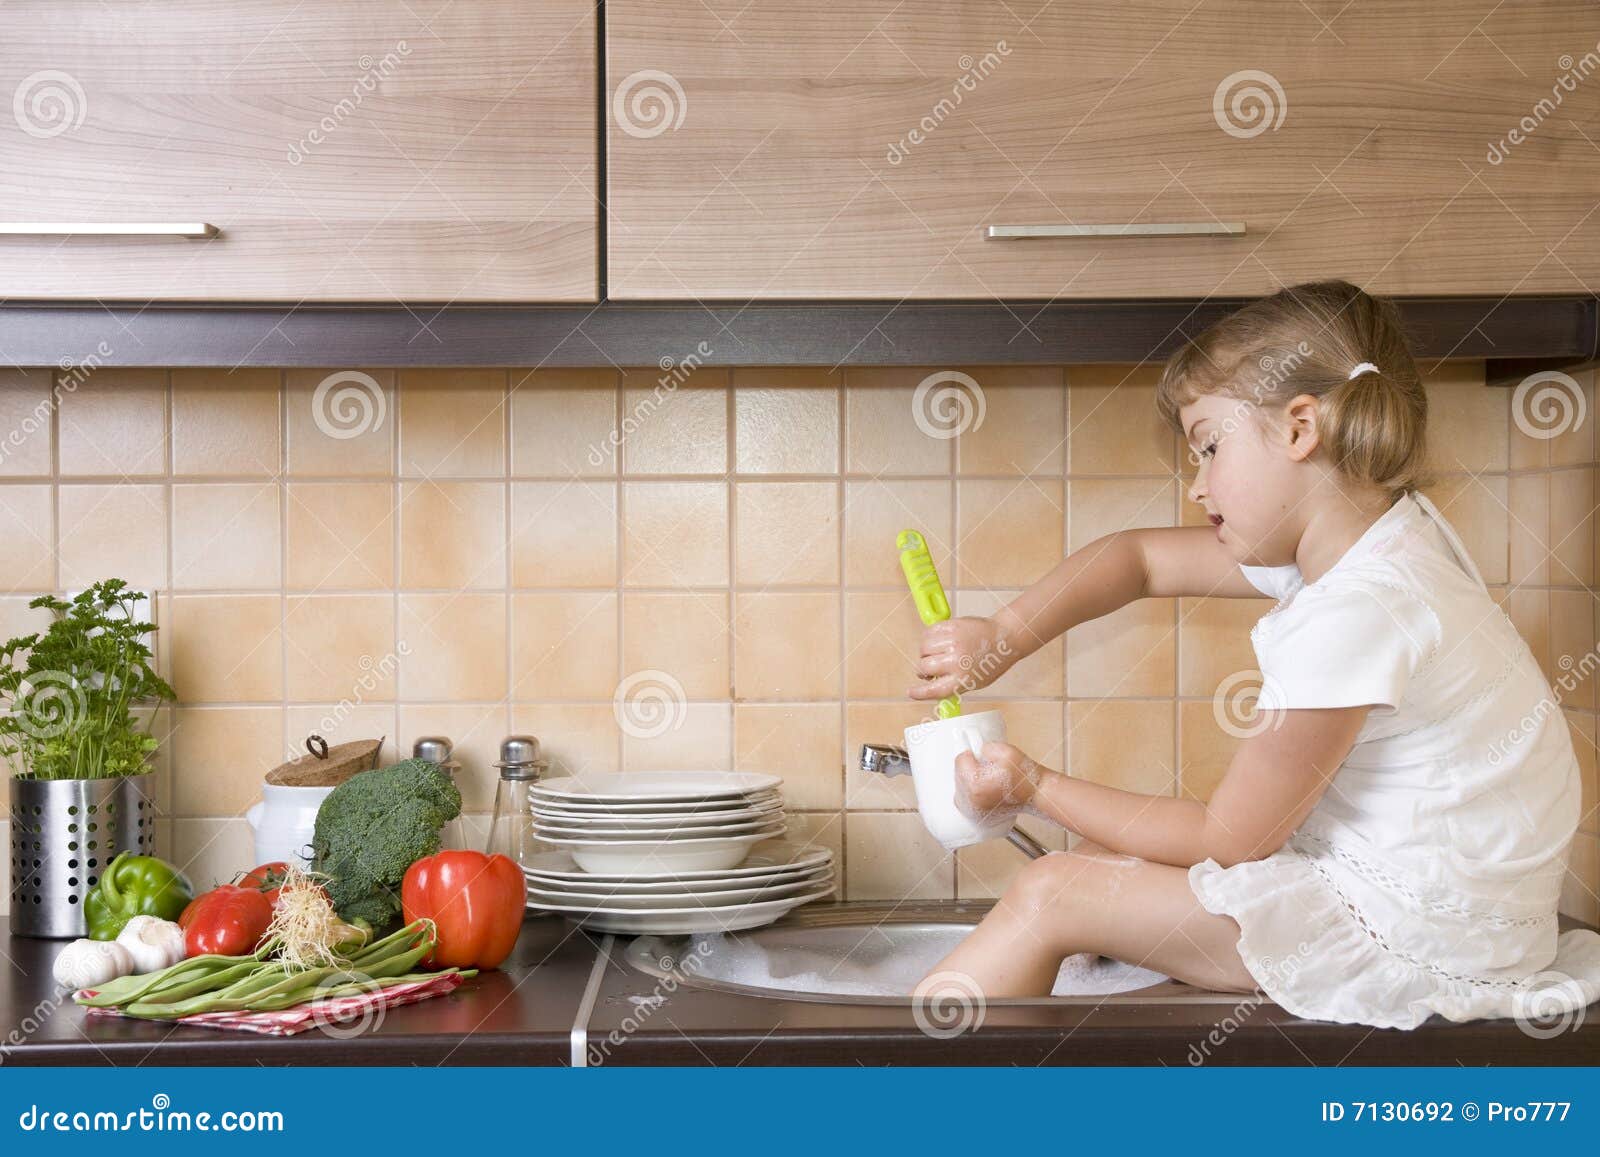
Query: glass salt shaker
[(438, 749), (511, 828)]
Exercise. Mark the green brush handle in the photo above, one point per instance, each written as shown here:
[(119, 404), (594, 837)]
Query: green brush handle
[(928, 593)]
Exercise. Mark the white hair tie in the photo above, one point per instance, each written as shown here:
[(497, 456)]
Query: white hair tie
[(1361, 369)]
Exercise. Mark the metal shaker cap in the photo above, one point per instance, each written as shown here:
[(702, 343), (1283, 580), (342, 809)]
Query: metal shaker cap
[(433, 748), (520, 758)]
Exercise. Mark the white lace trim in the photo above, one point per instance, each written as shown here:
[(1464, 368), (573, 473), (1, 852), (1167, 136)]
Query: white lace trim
[(1392, 883), (1500, 984)]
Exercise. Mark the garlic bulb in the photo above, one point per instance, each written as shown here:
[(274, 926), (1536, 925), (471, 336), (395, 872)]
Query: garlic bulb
[(91, 963), (152, 943)]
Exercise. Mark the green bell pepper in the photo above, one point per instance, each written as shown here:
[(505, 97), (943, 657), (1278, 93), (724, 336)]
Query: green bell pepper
[(134, 886)]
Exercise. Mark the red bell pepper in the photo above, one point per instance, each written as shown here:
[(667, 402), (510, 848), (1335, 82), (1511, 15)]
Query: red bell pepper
[(227, 920), (475, 902)]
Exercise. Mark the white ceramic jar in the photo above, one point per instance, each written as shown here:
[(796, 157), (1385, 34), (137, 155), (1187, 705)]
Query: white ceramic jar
[(283, 822)]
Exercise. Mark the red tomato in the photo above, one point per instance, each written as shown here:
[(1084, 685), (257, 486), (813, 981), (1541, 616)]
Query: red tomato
[(229, 921), (267, 878), (475, 902)]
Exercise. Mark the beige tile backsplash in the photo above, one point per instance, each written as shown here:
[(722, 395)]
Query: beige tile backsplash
[(480, 552)]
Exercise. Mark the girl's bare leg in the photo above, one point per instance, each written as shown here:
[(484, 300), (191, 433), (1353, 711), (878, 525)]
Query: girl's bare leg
[(1134, 910)]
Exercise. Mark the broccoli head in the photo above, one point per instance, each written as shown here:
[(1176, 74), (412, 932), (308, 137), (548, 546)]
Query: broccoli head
[(374, 826)]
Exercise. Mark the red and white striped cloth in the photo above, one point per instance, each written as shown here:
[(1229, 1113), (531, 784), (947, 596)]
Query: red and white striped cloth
[(336, 1012)]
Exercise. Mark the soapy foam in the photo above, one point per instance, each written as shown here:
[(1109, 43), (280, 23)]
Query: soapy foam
[(881, 966)]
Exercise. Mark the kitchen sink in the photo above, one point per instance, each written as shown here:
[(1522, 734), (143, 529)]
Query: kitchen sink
[(859, 953)]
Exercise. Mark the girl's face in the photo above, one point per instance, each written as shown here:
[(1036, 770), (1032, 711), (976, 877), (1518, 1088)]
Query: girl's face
[(1246, 477)]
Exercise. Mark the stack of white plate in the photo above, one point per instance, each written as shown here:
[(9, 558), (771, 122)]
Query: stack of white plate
[(768, 884), (686, 821), (668, 852)]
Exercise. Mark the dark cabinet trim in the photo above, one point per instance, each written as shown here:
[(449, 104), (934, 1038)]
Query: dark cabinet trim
[(1516, 335)]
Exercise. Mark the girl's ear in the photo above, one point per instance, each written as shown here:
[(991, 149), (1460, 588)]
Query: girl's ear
[(1302, 436)]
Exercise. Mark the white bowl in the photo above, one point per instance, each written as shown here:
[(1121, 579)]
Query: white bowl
[(636, 857), (682, 832), (778, 856)]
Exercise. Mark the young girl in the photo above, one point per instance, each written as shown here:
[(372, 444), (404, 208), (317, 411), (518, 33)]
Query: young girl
[(1390, 838)]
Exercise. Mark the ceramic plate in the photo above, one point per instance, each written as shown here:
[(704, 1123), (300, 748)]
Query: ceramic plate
[(560, 865), (649, 786), (686, 921), (655, 822), (577, 805), (608, 901), (588, 883), (547, 831)]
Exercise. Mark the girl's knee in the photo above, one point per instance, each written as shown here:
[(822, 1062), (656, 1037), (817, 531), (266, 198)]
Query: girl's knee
[(1052, 881)]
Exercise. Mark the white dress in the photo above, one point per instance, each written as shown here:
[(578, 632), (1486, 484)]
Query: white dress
[(1427, 876)]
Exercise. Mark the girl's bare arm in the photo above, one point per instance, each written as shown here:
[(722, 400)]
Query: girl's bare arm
[(1274, 780), (967, 653)]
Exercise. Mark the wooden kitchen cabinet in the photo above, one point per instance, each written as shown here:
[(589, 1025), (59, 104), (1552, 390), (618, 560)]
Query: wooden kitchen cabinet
[(767, 150), (345, 150)]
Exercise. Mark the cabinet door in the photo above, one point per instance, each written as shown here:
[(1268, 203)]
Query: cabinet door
[(817, 149), (346, 150)]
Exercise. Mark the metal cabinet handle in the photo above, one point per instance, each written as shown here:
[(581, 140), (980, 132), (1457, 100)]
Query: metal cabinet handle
[(1172, 229), (108, 229)]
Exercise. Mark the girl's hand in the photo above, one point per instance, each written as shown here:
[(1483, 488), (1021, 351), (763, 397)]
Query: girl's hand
[(1003, 780), (962, 655)]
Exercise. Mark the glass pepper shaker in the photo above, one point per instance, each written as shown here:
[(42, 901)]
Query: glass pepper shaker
[(511, 828)]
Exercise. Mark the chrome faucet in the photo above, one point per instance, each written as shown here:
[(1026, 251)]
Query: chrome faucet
[(886, 759)]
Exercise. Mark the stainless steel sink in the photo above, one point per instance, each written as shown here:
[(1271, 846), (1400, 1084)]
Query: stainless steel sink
[(873, 954)]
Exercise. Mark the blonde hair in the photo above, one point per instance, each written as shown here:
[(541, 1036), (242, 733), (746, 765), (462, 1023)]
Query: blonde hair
[(1306, 340)]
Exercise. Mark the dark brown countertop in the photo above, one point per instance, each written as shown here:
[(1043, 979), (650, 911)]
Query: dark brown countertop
[(525, 1014)]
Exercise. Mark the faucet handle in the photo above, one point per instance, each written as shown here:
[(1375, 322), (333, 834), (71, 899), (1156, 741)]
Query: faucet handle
[(885, 759)]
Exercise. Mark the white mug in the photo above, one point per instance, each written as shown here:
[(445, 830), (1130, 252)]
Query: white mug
[(932, 747)]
